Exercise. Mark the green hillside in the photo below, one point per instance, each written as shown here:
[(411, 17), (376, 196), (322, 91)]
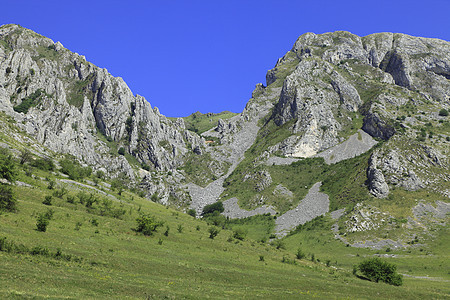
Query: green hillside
[(92, 251)]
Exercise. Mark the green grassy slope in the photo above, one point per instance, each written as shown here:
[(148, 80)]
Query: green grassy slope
[(111, 260), (200, 123)]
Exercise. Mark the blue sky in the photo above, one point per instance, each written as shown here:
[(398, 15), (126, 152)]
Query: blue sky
[(207, 56)]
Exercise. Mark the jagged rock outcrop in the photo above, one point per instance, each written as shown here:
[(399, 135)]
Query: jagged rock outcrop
[(377, 184), (77, 101)]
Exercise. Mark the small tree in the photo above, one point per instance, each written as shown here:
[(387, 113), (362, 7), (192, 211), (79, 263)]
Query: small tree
[(7, 166), (47, 200), (300, 254), (25, 156), (147, 224), (192, 212), (7, 200), (213, 232), (239, 233), (42, 222), (121, 151), (166, 233), (211, 208), (443, 112), (376, 270)]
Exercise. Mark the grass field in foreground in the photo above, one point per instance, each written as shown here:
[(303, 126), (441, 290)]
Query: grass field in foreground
[(115, 262)]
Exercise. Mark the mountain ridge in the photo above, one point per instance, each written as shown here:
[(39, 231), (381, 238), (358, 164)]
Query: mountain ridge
[(318, 95)]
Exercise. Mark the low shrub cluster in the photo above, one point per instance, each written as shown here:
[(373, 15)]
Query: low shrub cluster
[(7, 200), (147, 224), (12, 247), (75, 171), (375, 269)]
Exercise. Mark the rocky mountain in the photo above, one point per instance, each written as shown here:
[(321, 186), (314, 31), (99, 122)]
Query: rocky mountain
[(342, 121)]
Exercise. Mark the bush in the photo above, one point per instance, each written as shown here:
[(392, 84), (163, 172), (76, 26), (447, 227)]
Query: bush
[(300, 254), (213, 232), (7, 166), (376, 270), (70, 199), (147, 224), (47, 200), (211, 208), (32, 100), (443, 112), (180, 228), (74, 169), (239, 233), (25, 156), (7, 200), (42, 223), (60, 193), (45, 164), (192, 212), (279, 244), (166, 233), (121, 151), (51, 185)]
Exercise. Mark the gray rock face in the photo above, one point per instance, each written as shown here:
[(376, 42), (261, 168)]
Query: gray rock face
[(355, 145), (232, 210), (77, 100), (377, 184), (321, 85), (313, 205), (376, 125)]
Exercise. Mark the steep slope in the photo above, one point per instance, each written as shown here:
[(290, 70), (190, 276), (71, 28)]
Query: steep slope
[(392, 86), (65, 102)]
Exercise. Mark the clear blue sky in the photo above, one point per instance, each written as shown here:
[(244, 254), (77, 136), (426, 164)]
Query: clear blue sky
[(207, 55)]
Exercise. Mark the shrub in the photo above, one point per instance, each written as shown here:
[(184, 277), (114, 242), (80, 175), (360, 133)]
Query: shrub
[(47, 200), (32, 100), (49, 214), (180, 228), (70, 199), (239, 233), (100, 174), (166, 233), (376, 270), (94, 222), (443, 112), (38, 250), (42, 223), (121, 151), (211, 208), (7, 199), (300, 254), (51, 185), (279, 244), (192, 212), (60, 193), (45, 164), (74, 169), (213, 232), (25, 156), (7, 166), (147, 224)]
